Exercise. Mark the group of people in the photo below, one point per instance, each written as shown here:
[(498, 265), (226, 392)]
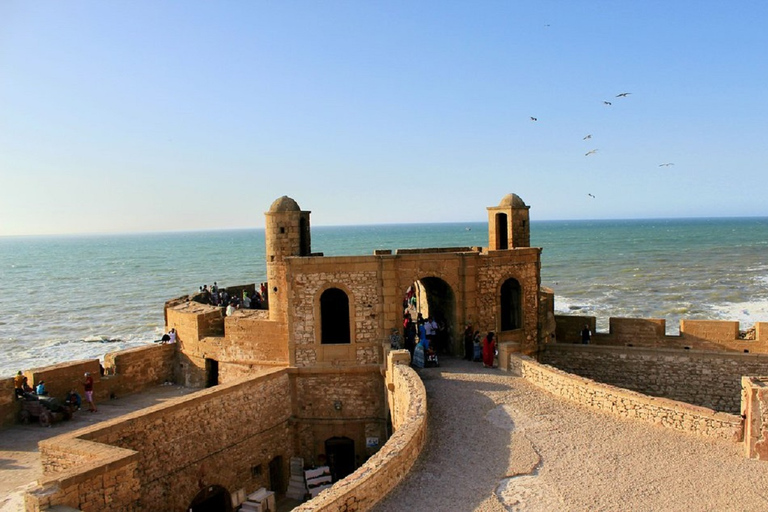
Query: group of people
[(220, 297), (24, 391), (478, 348)]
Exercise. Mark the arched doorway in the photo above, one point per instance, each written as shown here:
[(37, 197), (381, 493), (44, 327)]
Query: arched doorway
[(334, 316), (433, 297), (213, 498), (511, 305), (340, 453)]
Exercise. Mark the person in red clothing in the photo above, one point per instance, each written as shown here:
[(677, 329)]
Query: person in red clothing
[(489, 350), (88, 386)]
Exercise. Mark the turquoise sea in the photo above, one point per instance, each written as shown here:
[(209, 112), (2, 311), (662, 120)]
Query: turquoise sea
[(74, 297)]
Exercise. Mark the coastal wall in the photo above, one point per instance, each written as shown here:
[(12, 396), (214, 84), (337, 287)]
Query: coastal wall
[(361, 490), (629, 404), (715, 335), (707, 379), (128, 371), (168, 454)]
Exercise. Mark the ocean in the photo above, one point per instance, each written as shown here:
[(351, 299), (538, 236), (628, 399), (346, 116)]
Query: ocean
[(81, 296)]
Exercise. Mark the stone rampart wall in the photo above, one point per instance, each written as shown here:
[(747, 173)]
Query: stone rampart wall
[(715, 335), (629, 404), (707, 379), (361, 490), (129, 371), (214, 437)]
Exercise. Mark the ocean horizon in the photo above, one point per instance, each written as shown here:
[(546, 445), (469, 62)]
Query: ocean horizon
[(79, 296)]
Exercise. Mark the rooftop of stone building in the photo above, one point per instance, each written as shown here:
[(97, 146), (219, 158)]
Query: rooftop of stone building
[(512, 200), (284, 204)]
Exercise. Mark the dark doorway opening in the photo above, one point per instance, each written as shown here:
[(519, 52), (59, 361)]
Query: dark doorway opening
[(334, 315), (276, 483), (502, 235), (340, 453), (433, 297), (211, 372), (213, 498), (511, 305)]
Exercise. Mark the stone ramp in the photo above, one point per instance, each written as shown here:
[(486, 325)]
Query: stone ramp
[(498, 443)]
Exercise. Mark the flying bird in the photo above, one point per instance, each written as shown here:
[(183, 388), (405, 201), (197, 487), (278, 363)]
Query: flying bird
[(590, 195), (591, 152), (608, 103), (666, 164), (587, 137), (623, 95), (534, 118)]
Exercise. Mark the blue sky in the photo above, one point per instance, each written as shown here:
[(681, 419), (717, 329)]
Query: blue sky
[(170, 115)]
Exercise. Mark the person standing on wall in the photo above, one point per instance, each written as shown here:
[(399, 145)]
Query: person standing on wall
[(88, 387), (586, 335)]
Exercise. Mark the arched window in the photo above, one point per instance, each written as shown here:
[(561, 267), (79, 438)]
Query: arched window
[(511, 305), (502, 236), (334, 316)]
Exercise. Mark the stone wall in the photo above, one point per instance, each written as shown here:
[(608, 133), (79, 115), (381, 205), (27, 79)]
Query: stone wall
[(361, 490), (755, 412), (338, 402), (708, 379), (629, 404), (714, 335), (129, 371), (217, 436)]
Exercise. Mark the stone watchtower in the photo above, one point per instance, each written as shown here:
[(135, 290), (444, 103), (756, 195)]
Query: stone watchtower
[(508, 224), (287, 234)]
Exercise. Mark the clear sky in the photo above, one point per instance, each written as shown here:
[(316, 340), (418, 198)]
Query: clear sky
[(174, 115)]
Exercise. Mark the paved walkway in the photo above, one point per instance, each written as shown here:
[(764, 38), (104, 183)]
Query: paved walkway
[(497, 443), (20, 459)]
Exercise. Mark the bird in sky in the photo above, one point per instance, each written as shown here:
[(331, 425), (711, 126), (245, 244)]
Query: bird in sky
[(587, 137), (590, 152), (534, 118), (666, 164), (608, 103), (590, 195), (623, 95)]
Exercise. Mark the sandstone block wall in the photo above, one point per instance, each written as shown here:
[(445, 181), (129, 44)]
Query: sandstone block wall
[(130, 371), (361, 490), (338, 402), (629, 404), (214, 437), (755, 412), (708, 379), (714, 335)]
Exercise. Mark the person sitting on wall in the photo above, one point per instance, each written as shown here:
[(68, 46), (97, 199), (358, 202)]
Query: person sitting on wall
[(18, 384), (586, 335), (25, 387), (230, 309), (40, 389), (172, 335)]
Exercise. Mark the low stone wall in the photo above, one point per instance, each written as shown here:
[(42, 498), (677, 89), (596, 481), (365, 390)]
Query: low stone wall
[(704, 378), (713, 335), (129, 371), (629, 404), (171, 452), (755, 411), (372, 481)]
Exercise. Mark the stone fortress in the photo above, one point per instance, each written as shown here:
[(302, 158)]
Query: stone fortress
[(313, 375)]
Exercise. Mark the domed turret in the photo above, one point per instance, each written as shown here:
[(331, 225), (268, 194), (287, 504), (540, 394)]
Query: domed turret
[(508, 225), (287, 234)]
